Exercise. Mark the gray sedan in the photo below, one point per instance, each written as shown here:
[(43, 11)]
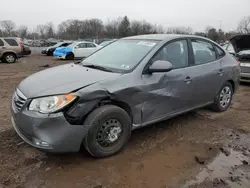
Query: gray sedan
[(131, 83)]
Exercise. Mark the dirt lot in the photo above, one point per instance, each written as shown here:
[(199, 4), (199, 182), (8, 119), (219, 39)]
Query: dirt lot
[(198, 149)]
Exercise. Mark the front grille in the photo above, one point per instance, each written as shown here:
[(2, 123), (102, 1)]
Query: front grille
[(18, 100), (245, 69)]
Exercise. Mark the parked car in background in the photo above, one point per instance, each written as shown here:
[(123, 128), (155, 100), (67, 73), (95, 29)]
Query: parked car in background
[(10, 49), (76, 50), (229, 47), (50, 50), (241, 49), (131, 83)]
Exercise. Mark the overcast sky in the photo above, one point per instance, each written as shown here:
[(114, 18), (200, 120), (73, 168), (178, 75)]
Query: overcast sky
[(194, 13)]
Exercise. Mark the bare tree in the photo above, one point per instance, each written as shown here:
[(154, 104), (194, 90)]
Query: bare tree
[(41, 29), (8, 26), (244, 25), (22, 31), (180, 30), (111, 28), (49, 28)]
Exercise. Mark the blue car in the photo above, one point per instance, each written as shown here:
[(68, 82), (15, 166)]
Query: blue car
[(76, 50)]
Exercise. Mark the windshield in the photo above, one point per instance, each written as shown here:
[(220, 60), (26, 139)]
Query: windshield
[(73, 44), (121, 55), (57, 44)]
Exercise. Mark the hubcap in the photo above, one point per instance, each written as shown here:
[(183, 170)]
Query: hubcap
[(109, 132), (10, 58), (225, 97)]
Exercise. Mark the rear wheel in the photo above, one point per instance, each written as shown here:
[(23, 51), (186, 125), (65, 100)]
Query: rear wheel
[(70, 56), (110, 129), (9, 58), (223, 98)]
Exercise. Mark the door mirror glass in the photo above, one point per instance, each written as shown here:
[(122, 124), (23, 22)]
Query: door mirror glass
[(160, 66)]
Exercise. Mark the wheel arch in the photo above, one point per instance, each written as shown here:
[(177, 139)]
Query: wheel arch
[(9, 52), (120, 104), (232, 83)]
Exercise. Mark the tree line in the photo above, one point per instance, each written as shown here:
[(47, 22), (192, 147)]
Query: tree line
[(121, 27)]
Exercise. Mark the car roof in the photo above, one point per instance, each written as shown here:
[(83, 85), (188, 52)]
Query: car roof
[(161, 37)]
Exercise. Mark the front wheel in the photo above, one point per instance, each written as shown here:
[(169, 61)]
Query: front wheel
[(223, 98), (110, 130)]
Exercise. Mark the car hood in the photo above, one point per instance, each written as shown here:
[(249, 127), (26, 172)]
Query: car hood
[(62, 79), (241, 42)]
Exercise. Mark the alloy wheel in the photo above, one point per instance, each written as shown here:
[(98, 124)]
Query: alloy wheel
[(225, 97)]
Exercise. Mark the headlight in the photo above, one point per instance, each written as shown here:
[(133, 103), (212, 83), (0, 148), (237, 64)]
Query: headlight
[(51, 104)]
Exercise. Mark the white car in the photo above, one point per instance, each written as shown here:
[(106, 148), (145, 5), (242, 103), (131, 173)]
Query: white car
[(76, 50)]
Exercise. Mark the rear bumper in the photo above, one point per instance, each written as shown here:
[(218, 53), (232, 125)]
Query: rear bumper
[(19, 55), (245, 77)]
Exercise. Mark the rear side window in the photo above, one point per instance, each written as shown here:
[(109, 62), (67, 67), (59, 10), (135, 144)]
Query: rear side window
[(220, 52), (1, 43), (90, 45), (11, 42), (204, 52)]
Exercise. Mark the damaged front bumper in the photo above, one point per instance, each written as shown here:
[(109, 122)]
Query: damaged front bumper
[(49, 132)]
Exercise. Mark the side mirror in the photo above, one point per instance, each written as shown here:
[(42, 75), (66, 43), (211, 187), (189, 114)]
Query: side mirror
[(76, 47), (160, 66)]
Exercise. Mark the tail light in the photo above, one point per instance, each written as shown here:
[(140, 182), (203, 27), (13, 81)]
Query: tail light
[(20, 44)]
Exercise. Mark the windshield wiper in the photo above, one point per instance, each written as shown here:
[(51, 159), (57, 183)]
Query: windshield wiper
[(97, 67)]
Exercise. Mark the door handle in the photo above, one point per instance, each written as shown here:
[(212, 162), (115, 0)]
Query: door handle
[(188, 79), (3, 47)]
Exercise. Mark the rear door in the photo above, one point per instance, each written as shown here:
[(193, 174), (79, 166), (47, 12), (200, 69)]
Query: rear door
[(13, 45), (207, 72)]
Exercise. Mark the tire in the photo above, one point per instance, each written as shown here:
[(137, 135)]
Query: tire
[(50, 53), (9, 58), (218, 105), (70, 56), (97, 120)]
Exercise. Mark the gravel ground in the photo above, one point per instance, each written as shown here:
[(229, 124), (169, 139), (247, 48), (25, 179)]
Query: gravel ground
[(200, 149)]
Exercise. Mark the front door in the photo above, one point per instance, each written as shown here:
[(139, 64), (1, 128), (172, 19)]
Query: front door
[(80, 50), (169, 92)]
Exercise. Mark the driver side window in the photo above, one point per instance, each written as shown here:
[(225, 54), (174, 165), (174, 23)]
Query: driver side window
[(175, 52)]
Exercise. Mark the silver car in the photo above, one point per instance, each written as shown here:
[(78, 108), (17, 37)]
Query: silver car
[(131, 83), (240, 47)]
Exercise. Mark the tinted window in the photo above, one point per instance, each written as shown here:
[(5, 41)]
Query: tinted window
[(203, 52), (82, 45), (220, 52), (175, 52), (90, 45), (11, 42), (122, 55), (1, 43)]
